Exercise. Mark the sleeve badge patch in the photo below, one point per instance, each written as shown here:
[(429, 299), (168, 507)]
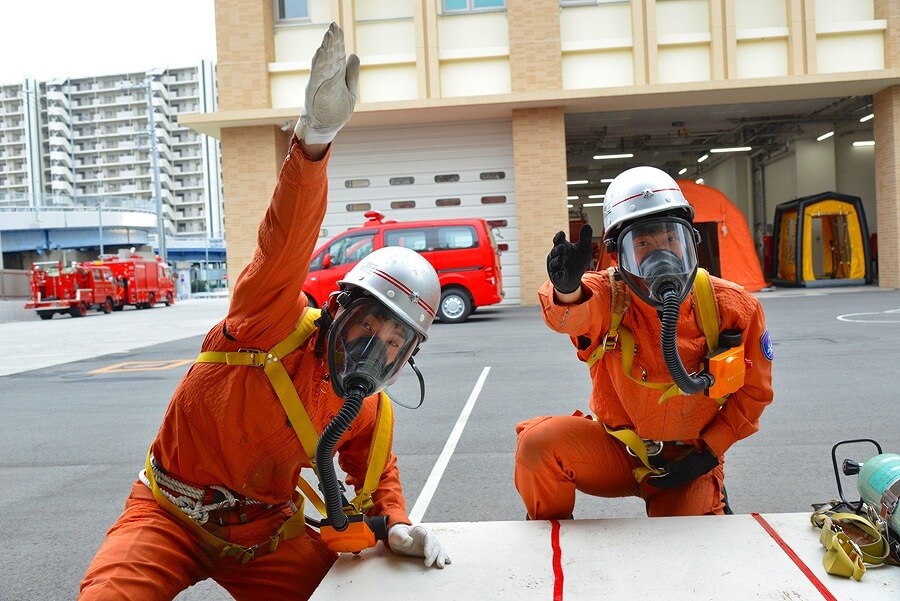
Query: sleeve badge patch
[(765, 342)]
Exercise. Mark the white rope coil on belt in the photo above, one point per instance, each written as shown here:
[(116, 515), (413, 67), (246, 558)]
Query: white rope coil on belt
[(190, 499)]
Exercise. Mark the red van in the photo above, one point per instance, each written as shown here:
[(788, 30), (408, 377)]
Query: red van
[(462, 251)]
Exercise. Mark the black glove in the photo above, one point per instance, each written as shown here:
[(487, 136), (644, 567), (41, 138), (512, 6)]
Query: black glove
[(567, 262), (680, 472)]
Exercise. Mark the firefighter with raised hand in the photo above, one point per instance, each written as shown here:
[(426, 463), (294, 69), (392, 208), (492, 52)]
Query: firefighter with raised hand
[(680, 364), (278, 387)]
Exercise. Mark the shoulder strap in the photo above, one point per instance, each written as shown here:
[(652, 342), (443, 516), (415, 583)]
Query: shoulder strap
[(284, 388), (707, 309), (620, 300)]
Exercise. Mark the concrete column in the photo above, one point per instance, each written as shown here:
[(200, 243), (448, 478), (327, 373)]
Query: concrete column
[(245, 46), (251, 159), (535, 50), (887, 173), (539, 148)]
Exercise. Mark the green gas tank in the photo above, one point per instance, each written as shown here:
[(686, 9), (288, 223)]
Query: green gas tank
[(878, 482)]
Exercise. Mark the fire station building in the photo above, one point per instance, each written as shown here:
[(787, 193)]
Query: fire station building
[(520, 112)]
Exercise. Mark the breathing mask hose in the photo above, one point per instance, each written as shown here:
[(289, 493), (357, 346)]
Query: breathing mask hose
[(356, 392), (669, 340)]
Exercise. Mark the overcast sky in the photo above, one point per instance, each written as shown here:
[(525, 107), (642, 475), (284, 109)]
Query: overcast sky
[(47, 39)]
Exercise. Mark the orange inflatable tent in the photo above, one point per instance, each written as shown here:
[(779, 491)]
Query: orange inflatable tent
[(726, 247)]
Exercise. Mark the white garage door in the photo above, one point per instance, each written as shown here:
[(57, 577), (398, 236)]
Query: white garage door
[(423, 172)]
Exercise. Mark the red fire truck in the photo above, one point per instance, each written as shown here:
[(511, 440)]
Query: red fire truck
[(143, 279), (74, 290)]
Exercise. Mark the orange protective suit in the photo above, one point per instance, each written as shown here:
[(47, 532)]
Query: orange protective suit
[(225, 426), (558, 455)]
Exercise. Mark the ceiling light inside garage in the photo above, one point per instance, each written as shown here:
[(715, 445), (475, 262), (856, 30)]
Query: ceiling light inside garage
[(571, 198), (825, 136), (575, 182), (606, 181), (866, 118), (732, 149), (683, 171), (600, 157), (698, 181), (592, 204), (864, 143), (703, 158), (569, 206), (597, 196)]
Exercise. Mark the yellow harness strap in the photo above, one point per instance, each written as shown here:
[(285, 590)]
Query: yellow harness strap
[(634, 442), (292, 527), (844, 556), (707, 313), (271, 362)]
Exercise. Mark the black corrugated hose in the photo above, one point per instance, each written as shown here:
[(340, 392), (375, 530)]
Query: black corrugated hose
[(331, 490), (669, 340)]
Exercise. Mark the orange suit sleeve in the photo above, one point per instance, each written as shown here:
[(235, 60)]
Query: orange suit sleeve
[(268, 299), (589, 317), (739, 418)]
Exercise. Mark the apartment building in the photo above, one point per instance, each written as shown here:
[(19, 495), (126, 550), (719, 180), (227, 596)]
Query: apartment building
[(513, 110), (89, 138)]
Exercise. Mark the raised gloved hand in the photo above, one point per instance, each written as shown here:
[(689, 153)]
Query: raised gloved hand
[(331, 91), (680, 472), (418, 542), (567, 262)]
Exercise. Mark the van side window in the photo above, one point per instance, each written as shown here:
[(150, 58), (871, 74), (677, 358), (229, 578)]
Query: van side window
[(456, 237), (414, 238), (350, 249)]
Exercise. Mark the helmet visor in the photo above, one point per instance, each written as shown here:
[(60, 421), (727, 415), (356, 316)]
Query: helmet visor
[(368, 347), (657, 255)]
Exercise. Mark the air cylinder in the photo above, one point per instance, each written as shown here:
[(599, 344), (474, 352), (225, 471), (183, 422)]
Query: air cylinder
[(879, 479)]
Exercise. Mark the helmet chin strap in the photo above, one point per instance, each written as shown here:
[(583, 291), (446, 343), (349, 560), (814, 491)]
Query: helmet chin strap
[(412, 364)]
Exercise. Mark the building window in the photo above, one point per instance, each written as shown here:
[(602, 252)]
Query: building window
[(293, 9), (356, 183), (359, 206), (447, 202), (402, 181), (492, 200), (497, 223), (403, 204), (449, 177), (468, 6), (492, 175)]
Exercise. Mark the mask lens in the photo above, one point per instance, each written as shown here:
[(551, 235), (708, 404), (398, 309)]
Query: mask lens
[(657, 255), (368, 347)]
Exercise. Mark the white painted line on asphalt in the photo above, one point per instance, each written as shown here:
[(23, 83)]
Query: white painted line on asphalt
[(847, 317), (437, 472)]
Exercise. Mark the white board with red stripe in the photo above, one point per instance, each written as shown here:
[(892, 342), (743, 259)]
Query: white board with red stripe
[(765, 557)]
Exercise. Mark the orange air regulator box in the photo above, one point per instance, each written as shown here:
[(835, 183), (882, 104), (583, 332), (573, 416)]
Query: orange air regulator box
[(726, 365)]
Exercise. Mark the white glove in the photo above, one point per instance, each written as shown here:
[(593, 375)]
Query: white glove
[(418, 542), (331, 91)]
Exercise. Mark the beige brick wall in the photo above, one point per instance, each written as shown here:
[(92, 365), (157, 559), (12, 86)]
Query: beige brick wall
[(535, 54), (245, 45), (539, 148), (251, 158), (887, 171)]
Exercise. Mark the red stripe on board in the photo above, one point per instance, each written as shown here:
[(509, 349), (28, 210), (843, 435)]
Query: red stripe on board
[(557, 562), (790, 553)]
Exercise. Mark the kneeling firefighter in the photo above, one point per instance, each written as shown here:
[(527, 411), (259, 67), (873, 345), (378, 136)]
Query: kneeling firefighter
[(680, 363), (278, 387)]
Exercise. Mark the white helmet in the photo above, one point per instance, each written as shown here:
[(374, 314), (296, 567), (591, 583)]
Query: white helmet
[(403, 281), (639, 192)]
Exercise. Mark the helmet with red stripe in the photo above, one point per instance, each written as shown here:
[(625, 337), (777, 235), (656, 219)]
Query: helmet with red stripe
[(641, 192), (400, 279)]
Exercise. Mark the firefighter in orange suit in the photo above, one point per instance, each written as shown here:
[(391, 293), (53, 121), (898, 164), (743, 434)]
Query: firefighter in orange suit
[(658, 434), (219, 486)]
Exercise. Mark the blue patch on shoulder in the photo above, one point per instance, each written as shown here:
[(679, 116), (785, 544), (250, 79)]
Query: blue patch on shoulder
[(765, 341)]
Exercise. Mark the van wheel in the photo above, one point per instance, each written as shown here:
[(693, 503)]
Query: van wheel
[(456, 306), (151, 301), (107, 306), (169, 299), (79, 310), (45, 314)]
